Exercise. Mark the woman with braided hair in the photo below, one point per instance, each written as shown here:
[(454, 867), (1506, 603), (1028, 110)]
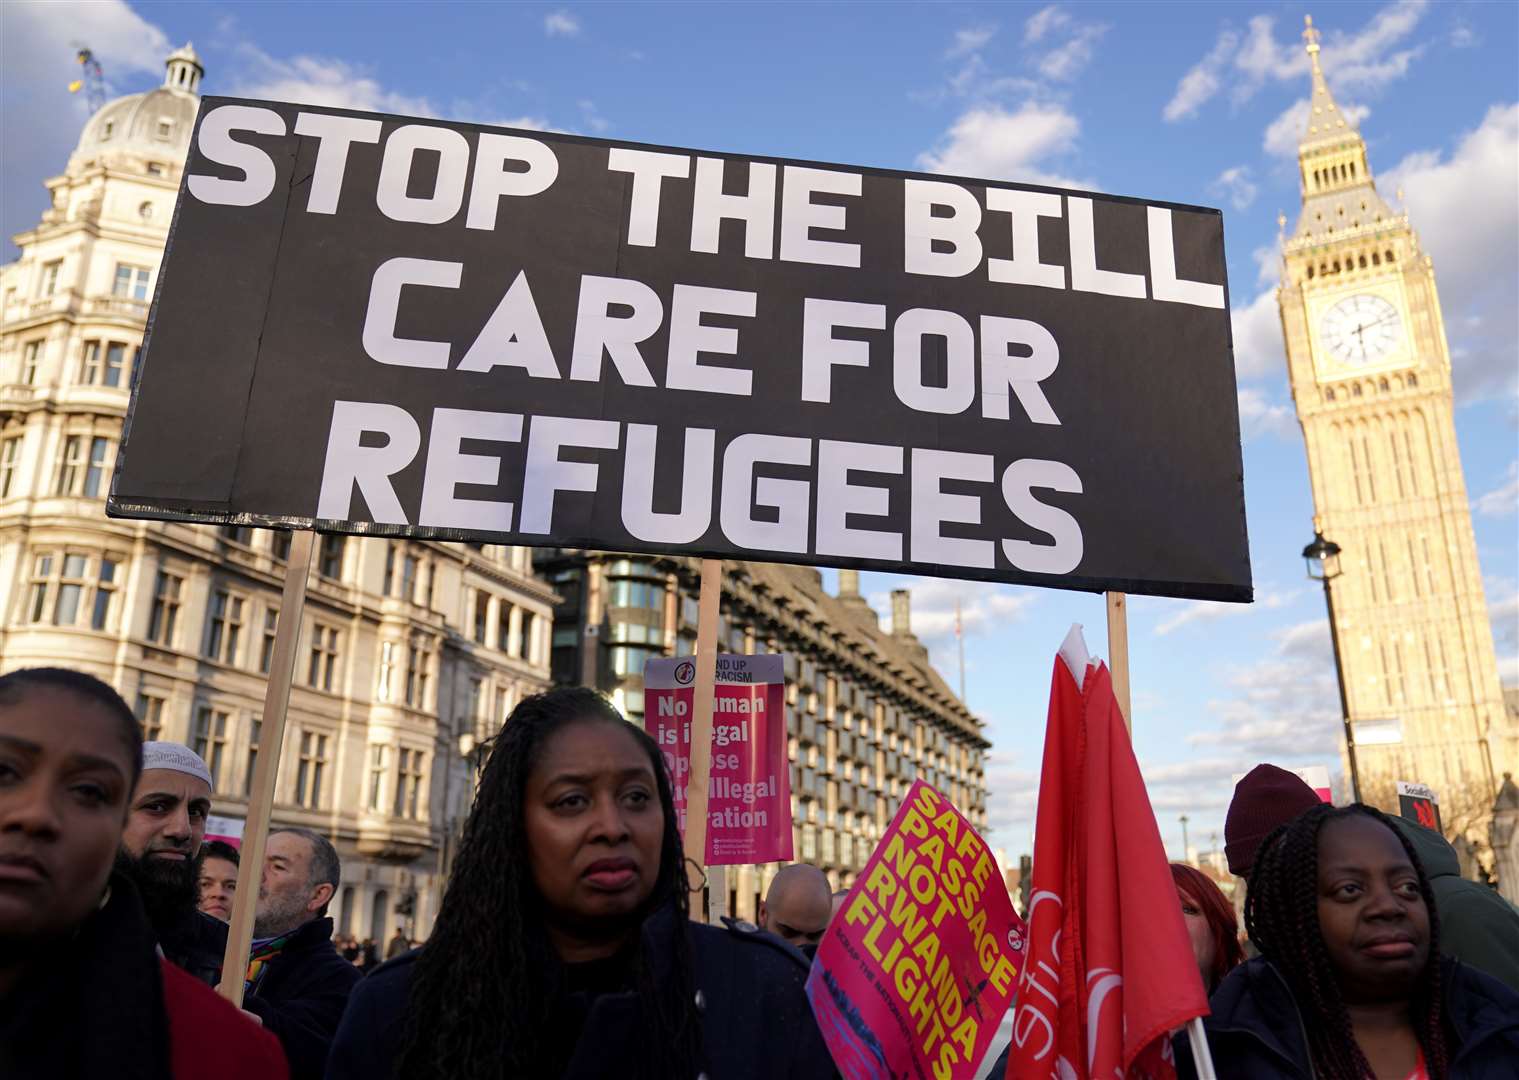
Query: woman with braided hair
[(564, 948), (1350, 983)]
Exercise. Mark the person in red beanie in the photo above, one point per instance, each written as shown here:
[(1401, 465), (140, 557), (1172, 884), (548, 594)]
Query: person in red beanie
[(84, 992), (1263, 799)]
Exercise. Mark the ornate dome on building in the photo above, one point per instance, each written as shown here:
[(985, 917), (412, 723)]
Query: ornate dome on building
[(152, 124)]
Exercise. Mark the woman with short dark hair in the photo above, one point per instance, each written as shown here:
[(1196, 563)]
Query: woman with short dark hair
[(564, 946)]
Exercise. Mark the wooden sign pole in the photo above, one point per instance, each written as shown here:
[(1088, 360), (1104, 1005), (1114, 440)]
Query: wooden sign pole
[(709, 609), (1118, 653), (271, 738)]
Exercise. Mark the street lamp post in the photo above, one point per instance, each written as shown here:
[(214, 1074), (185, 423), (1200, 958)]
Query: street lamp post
[(1323, 559), (1186, 851)]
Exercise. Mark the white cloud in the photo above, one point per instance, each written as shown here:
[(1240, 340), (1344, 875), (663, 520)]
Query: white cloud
[(1235, 185), (970, 40), (1202, 82), (1285, 705), (561, 24), (1258, 347), (40, 122), (1259, 415), (984, 608), (992, 143), (1359, 64), (323, 81), (1463, 36), (593, 118), (1186, 612), (1503, 500), (1012, 803), (1066, 43), (1042, 22), (1476, 252)]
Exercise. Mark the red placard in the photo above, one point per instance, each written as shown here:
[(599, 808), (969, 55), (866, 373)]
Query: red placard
[(921, 962), (749, 791)]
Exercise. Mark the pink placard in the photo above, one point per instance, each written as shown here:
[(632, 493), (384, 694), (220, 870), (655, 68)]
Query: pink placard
[(921, 962), (749, 789)]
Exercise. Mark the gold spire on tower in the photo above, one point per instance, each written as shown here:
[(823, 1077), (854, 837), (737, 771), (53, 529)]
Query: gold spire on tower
[(1326, 123)]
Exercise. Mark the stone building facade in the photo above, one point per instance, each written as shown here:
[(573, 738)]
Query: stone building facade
[(866, 713), (410, 653), (1370, 371)]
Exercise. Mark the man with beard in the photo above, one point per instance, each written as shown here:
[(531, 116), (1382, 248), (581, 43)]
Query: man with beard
[(297, 984), (165, 826)]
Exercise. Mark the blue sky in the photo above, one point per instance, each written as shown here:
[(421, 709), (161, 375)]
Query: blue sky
[(1181, 102)]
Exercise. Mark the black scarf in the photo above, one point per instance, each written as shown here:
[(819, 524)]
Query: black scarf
[(90, 1005)]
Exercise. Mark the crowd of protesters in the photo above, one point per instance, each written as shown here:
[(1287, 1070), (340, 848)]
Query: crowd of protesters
[(564, 946)]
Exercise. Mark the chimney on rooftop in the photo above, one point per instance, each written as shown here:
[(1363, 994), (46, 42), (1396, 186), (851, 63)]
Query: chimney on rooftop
[(901, 613), (849, 583), (850, 598)]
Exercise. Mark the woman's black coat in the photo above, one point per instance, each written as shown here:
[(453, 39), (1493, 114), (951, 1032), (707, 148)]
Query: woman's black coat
[(756, 1022)]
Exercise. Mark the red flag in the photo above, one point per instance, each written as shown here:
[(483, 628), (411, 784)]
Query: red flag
[(1109, 971)]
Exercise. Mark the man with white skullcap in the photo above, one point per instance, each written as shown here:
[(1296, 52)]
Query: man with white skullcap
[(165, 825)]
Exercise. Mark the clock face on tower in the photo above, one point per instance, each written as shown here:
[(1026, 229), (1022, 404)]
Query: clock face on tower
[(1361, 330)]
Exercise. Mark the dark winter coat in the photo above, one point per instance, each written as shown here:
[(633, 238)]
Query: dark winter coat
[(198, 945), (104, 1004), (1477, 926), (755, 1018), (1256, 1030), (301, 995)]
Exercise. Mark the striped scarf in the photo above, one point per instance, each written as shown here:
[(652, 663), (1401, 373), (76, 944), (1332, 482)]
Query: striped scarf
[(258, 960)]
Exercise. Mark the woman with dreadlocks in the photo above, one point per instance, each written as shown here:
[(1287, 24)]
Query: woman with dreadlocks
[(1350, 983), (564, 946)]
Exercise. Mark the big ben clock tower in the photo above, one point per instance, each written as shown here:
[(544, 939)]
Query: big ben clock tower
[(1371, 378)]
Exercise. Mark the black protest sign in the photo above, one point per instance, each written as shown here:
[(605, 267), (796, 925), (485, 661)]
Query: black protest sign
[(1419, 803), (405, 327)]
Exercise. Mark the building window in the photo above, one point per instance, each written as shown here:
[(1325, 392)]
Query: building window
[(84, 467), (482, 615), (10, 457), (528, 647), (266, 646), (49, 283), (165, 614), (42, 570), (279, 545), (238, 534), (225, 629), (630, 659), (210, 740), (255, 737), (31, 357), (165, 129), (409, 785), (416, 676), (105, 589), (639, 594), (105, 364), (330, 561), (379, 765), (309, 770), (150, 715), (322, 671), (70, 590), (156, 168), (409, 567)]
